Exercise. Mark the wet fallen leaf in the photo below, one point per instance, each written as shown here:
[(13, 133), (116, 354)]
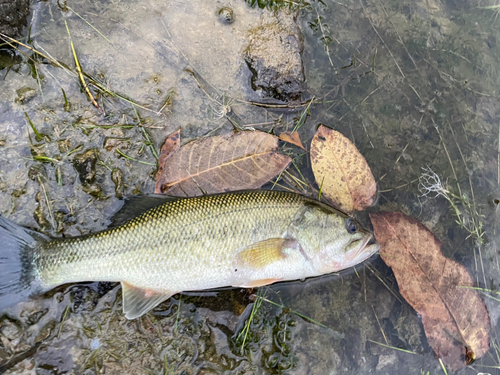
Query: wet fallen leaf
[(454, 316), (342, 171), (293, 138), (244, 160)]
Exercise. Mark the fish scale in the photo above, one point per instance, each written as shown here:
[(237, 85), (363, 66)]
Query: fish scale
[(247, 238)]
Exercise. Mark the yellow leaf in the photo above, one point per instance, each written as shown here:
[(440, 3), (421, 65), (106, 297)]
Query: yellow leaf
[(346, 177)]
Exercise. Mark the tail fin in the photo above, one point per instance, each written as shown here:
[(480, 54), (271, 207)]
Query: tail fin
[(17, 267)]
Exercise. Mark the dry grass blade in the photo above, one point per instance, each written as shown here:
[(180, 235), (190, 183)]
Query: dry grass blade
[(80, 72), (392, 347), (245, 160), (99, 86), (8, 40), (92, 26)]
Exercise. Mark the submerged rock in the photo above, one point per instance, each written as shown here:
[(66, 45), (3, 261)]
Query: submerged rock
[(274, 57)]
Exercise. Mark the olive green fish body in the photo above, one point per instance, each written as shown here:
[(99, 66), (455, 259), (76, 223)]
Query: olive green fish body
[(187, 243), (237, 239)]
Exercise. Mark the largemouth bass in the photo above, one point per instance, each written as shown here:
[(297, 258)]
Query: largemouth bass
[(240, 239)]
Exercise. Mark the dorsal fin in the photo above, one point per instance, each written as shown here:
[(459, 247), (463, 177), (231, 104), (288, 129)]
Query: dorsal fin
[(133, 206), (138, 301)]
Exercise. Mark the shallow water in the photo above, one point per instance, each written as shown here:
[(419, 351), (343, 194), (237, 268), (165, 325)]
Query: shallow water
[(412, 84)]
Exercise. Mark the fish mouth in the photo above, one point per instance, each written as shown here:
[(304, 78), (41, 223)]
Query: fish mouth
[(368, 247), (371, 246)]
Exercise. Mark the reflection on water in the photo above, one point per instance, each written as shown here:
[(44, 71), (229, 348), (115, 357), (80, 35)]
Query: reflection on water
[(413, 84)]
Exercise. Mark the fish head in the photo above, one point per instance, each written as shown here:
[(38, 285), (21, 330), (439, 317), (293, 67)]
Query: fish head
[(332, 240)]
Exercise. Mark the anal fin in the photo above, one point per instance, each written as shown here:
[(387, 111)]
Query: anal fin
[(257, 283), (138, 301)]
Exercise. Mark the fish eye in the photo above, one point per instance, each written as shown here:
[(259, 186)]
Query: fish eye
[(351, 226)]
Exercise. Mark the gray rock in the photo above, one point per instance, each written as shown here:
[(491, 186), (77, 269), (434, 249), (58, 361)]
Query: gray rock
[(274, 57)]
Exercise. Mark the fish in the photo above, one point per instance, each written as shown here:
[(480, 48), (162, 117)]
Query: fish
[(240, 239)]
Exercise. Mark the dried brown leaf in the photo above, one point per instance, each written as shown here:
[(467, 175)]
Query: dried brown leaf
[(343, 172), (245, 160), (293, 138), (455, 318)]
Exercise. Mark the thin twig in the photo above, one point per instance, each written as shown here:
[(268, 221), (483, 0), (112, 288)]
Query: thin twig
[(381, 329), (267, 105)]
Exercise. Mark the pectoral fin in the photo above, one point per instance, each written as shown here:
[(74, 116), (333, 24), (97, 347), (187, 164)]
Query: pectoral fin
[(263, 253), (138, 301)]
